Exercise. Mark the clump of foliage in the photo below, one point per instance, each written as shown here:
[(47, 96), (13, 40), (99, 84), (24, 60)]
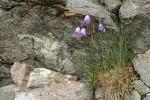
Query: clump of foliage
[(117, 82), (107, 59)]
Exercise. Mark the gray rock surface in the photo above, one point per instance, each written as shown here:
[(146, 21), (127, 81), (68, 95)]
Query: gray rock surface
[(5, 75), (38, 36), (44, 84), (89, 7), (6, 81), (49, 1), (2, 12), (135, 15), (147, 97), (41, 36), (7, 92), (141, 87), (59, 91), (133, 96), (41, 2), (141, 64), (99, 95), (41, 77), (101, 1), (4, 70), (113, 5)]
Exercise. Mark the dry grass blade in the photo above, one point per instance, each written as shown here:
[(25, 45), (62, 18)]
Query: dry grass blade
[(116, 83)]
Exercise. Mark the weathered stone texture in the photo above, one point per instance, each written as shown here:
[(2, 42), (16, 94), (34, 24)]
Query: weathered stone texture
[(35, 36), (142, 66), (88, 7), (7, 92), (20, 73), (99, 95), (133, 96), (141, 87), (147, 97), (47, 84), (135, 15), (113, 5)]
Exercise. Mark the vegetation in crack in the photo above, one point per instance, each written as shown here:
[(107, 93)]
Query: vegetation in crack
[(107, 60)]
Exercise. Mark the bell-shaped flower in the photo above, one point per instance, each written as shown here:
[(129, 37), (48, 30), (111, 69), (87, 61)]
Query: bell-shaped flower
[(83, 32), (77, 31), (87, 19), (101, 28)]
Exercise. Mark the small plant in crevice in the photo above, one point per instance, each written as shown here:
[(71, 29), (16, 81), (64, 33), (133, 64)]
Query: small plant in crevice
[(107, 58), (89, 32)]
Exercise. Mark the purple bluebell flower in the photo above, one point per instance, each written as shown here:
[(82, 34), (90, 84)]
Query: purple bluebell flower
[(80, 32), (101, 28), (77, 31), (87, 19), (83, 32)]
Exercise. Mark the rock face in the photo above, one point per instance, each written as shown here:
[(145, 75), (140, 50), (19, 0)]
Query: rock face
[(101, 1), (25, 96), (99, 95), (141, 87), (7, 92), (5, 75), (133, 96), (40, 36), (39, 33), (43, 37), (113, 5), (44, 84), (88, 7), (20, 73), (41, 77), (141, 64), (41, 2), (147, 97), (49, 1), (135, 15), (57, 91)]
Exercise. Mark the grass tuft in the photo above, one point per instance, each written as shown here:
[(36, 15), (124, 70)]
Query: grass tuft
[(107, 63), (116, 83)]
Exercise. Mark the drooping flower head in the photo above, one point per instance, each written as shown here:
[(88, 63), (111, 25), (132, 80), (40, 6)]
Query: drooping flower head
[(80, 32), (87, 19), (77, 31), (101, 28), (83, 32)]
